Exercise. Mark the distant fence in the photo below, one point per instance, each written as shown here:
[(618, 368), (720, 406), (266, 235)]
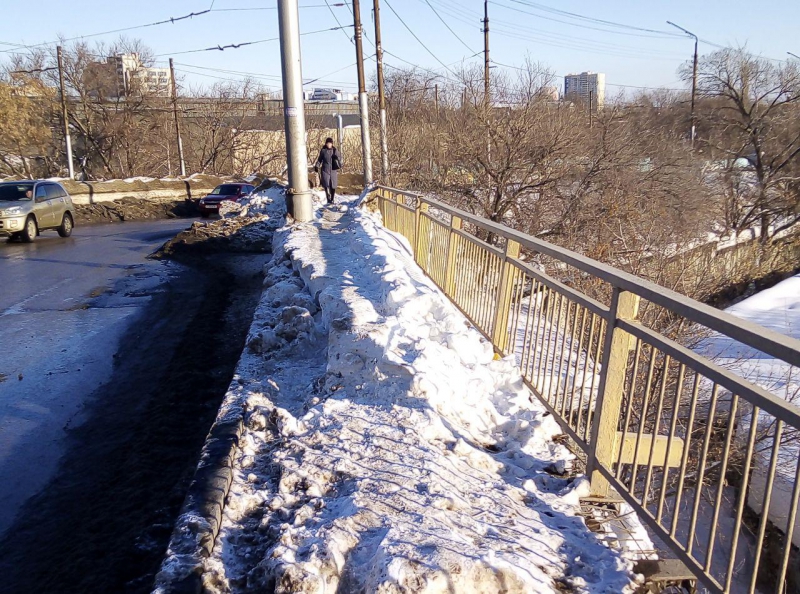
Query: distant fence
[(694, 448)]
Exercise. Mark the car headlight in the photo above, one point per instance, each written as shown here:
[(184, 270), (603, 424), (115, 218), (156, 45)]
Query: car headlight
[(202, 202), (14, 210)]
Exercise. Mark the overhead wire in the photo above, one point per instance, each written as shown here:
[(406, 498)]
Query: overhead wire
[(242, 44), (435, 57), (171, 20), (448, 26)]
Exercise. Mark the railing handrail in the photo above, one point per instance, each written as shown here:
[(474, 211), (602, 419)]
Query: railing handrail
[(526, 313), (758, 337)]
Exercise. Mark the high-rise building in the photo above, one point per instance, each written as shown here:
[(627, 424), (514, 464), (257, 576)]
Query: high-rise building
[(134, 77), (586, 87), (124, 74)]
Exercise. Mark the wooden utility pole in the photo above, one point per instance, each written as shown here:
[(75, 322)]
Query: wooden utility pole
[(64, 113), (177, 119), (381, 94), (694, 92), (692, 130), (486, 91), (363, 103)]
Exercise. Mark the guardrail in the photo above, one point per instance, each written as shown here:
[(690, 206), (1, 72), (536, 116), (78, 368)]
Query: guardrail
[(707, 459)]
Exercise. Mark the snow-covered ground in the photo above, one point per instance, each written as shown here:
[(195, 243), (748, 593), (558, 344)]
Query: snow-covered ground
[(776, 308), (385, 448)]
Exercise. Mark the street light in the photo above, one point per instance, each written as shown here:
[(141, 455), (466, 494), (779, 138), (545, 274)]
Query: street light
[(694, 75), (793, 55)]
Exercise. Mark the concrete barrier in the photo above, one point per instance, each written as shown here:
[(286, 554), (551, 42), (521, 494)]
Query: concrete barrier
[(91, 192)]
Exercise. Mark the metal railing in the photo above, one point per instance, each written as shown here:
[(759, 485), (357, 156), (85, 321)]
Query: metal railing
[(707, 459)]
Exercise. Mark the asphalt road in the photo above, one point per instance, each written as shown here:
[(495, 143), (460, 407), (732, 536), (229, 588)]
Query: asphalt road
[(64, 305)]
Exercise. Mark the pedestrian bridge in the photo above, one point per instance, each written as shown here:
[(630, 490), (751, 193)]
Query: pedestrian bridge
[(696, 450)]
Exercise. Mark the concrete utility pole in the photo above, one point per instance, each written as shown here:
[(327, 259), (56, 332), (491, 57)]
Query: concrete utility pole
[(64, 113), (298, 197), (177, 119), (591, 108), (486, 90), (694, 79), (436, 97), (381, 94), (363, 101)]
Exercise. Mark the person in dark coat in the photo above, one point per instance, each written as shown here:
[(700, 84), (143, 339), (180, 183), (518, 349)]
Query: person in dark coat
[(328, 165)]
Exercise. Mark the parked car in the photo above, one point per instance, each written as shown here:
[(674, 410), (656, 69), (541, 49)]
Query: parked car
[(29, 207), (210, 204)]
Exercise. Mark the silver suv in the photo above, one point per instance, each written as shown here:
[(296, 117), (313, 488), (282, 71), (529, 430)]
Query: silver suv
[(29, 207)]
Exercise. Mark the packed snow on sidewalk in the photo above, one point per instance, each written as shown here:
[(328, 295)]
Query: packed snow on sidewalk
[(385, 448)]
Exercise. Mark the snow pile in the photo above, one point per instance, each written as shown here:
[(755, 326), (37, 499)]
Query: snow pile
[(385, 449), (776, 308)]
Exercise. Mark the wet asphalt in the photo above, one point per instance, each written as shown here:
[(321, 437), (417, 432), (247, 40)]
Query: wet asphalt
[(64, 306)]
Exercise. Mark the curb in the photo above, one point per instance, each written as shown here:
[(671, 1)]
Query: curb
[(200, 518)]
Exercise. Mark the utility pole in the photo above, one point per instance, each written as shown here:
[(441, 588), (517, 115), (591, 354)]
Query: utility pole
[(177, 119), (591, 108), (363, 101), (693, 129), (298, 197), (381, 95), (436, 98), (64, 113), (486, 91)]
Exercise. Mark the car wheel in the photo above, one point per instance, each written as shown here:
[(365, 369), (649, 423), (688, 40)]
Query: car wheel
[(28, 235), (65, 230)]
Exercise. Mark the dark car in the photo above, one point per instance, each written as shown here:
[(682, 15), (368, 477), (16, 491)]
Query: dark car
[(210, 204)]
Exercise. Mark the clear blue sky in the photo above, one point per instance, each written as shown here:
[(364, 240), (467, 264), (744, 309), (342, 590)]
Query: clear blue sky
[(518, 28)]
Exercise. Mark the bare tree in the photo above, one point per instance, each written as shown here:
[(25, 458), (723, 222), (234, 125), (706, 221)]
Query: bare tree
[(752, 117)]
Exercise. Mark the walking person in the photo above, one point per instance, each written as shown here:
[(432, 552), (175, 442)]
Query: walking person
[(328, 165)]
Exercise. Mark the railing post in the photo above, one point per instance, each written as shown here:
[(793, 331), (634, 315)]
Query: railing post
[(453, 241), (503, 305), (616, 349), (421, 240)]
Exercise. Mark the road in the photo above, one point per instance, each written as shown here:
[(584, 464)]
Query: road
[(64, 305)]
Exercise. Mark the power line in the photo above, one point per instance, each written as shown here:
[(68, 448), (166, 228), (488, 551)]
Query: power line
[(574, 15), (171, 20), (448, 27), (435, 57), (243, 44), (549, 38), (658, 35), (259, 8)]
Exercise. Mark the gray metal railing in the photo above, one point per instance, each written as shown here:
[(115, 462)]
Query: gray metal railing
[(709, 460)]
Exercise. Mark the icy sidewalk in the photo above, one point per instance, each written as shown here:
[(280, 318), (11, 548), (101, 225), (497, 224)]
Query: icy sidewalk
[(385, 450)]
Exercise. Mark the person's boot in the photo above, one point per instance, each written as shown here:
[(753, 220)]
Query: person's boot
[(333, 195)]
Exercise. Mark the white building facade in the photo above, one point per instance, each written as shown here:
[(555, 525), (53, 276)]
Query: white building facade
[(588, 87)]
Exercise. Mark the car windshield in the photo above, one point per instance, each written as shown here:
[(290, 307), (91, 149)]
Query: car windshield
[(225, 190), (14, 192)]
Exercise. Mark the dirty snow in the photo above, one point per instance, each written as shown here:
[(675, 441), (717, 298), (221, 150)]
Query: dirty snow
[(385, 449)]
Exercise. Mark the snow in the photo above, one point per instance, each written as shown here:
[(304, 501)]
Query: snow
[(776, 308), (385, 447)]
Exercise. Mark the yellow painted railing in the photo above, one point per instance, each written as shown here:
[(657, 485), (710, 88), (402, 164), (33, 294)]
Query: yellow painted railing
[(707, 459)]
